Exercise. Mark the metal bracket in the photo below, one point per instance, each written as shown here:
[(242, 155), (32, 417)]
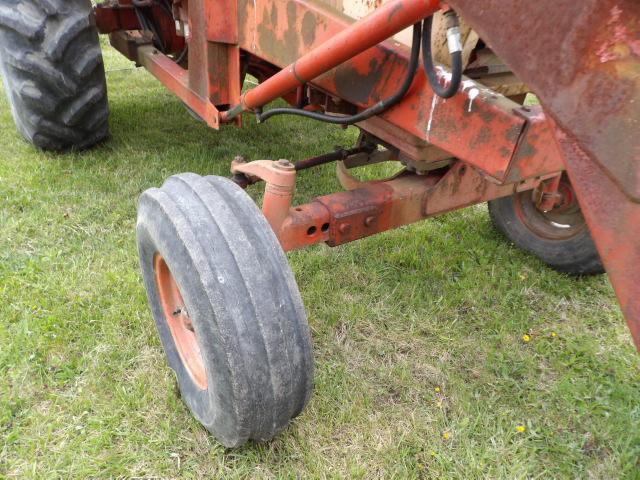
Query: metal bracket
[(280, 179)]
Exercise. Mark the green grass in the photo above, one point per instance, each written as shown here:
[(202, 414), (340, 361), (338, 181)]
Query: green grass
[(421, 367)]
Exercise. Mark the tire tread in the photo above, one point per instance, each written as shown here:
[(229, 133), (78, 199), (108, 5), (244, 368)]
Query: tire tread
[(58, 93), (259, 313), (574, 256)]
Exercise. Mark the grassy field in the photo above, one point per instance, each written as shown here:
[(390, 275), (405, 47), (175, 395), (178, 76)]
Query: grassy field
[(422, 369)]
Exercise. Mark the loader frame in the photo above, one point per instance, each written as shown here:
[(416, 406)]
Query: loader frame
[(477, 146)]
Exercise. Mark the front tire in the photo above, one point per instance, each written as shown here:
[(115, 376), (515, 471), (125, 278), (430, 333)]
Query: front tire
[(560, 237), (226, 306), (51, 64)]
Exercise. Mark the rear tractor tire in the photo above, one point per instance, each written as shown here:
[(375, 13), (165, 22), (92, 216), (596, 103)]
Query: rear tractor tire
[(559, 237), (51, 64), (226, 306)]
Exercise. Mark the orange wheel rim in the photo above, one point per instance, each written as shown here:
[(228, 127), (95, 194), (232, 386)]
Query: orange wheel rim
[(563, 222), (180, 325)]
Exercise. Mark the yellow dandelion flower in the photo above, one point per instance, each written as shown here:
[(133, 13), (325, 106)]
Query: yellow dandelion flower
[(446, 435), (526, 338), (521, 428), (554, 334), (437, 389)]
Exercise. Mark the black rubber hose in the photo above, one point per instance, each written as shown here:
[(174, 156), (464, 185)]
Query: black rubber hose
[(147, 24), (450, 90), (166, 6), (377, 109), (182, 55)]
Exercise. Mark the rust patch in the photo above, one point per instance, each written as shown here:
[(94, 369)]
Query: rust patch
[(513, 133), (359, 87), (243, 19), (484, 136), (308, 28), (593, 96), (292, 15), (285, 49), (527, 149), (486, 114)]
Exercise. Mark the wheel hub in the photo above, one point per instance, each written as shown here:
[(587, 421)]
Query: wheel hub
[(179, 322), (564, 221)]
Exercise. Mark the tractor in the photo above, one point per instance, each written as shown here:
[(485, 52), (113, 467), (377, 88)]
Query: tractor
[(438, 88)]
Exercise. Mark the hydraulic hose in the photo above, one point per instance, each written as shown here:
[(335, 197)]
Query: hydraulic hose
[(147, 23), (454, 40), (377, 109)]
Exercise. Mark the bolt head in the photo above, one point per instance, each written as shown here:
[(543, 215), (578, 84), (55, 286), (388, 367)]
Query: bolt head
[(284, 164), (344, 228)]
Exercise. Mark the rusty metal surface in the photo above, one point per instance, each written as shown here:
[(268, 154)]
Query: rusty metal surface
[(374, 207), (320, 57), (176, 79), (581, 58), (477, 125), (129, 44), (338, 154), (368, 208), (118, 15), (113, 15), (280, 184), (537, 153), (583, 65), (214, 56), (614, 222), (585, 68)]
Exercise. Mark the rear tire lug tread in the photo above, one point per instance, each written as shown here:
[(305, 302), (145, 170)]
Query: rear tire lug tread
[(69, 28), (61, 65), (22, 20)]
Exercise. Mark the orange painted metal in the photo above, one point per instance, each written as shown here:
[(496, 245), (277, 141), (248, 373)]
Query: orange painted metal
[(111, 17), (118, 15), (180, 325), (548, 195), (614, 222), (477, 125), (591, 85), (176, 79), (214, 55), (536, 153), (280, 179), (372, 207), (384, 22)]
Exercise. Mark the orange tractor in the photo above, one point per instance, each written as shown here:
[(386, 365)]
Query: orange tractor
[(438, 88)]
